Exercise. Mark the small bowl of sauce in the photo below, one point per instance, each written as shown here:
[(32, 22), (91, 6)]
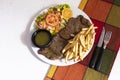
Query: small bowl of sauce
[(41, 38)]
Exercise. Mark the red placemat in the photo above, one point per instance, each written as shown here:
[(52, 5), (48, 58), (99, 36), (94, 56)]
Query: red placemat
[(102, 13)]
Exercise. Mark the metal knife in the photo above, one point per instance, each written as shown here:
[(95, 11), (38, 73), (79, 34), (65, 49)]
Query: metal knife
[(106, 41), (96, 50)]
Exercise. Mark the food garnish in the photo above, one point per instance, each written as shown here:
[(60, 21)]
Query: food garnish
[(54, 19), (80, 44), (67, 13)]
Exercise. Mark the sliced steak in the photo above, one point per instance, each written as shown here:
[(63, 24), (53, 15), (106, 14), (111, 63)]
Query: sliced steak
[(70, 25), (58, 44), (84, 21), (73, 26), (65, 33), (54, 51), (50, 54), (77, 26)]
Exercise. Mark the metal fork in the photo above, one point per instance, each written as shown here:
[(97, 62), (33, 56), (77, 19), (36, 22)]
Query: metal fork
[(107, 38)]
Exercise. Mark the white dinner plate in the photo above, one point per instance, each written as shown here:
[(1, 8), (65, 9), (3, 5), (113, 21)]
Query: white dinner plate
[(61, 62)]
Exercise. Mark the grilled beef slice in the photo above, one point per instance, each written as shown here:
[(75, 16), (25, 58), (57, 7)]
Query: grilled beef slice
[(58, 44), (73, 26), (50, 54), (59, 41), (84, 21), (54, 50)]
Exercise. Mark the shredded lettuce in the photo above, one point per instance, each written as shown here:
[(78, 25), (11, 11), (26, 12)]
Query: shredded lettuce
[(40, 18), (59, 7), (36, 28), (66, 6), (53, 32)]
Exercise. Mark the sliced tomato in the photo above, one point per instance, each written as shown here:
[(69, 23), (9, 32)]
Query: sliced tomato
[(52, 19)]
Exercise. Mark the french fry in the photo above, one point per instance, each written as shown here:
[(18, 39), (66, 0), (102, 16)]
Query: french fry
[(95, 27), (84, 29), (82, 32), (91, 27), (80, 50), (76, 49), (69, 46), (87, 41), (76, 58), (71, 56), (82, 40), (66, 47), (80, 44), (67, 54), (82, 57)]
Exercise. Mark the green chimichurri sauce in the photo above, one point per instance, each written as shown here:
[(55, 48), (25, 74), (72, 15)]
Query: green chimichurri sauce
[(42, 38)]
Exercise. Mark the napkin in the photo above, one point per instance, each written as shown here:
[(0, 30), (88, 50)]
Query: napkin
[(102, 13)]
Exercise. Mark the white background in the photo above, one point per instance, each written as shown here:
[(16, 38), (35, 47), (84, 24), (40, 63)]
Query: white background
[(16, 61)]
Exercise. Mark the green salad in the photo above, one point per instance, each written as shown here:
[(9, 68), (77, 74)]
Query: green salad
[(54, 19)]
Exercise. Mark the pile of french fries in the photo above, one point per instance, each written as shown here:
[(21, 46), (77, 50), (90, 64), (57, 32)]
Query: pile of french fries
[(80, 44)]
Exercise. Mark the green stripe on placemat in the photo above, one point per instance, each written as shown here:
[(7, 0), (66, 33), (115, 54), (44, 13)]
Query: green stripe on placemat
[(114, 16), (117, 2), (94, 75), (107, 61)]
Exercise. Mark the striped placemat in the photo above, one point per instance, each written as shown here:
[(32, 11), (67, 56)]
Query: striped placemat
[(102, 13)]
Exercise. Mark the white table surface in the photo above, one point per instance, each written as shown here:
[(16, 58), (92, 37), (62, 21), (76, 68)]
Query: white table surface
[(16, 60)]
